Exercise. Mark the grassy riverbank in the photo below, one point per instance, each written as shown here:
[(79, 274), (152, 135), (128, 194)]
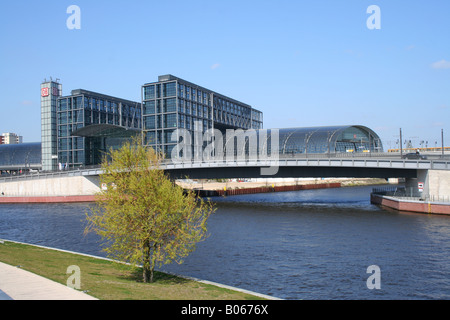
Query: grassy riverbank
[(106, 280)]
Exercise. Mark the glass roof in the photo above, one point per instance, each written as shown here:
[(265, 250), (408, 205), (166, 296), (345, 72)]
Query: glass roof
[(329, 139), (334, 139), (20, 156)]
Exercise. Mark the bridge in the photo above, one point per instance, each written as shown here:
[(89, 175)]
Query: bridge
[(386, 165), (308, 166), (433, 173)]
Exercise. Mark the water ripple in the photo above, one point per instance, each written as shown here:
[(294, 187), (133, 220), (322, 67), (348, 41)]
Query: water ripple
[(295, 245)]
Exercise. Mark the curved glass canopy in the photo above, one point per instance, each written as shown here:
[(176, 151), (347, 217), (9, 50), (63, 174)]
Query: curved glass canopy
[(310, 140), (20, 156), (335, 139)]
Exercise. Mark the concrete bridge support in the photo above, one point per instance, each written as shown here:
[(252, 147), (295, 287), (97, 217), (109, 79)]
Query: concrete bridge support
[(434, 184)]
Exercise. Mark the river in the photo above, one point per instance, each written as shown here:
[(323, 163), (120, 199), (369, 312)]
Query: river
[(311, 244)]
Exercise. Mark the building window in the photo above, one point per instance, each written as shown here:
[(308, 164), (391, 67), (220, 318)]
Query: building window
[(169, 89), (188, 107), (63, 144), (168, 150), (149, 122), (149, 92), (149, 107), (150, 138), (168, 136), (181, 90), (181, 118), (62, 131), (170, 120), (181, 105), (170, 105), (78, 157), (158, 91), (62, 106), (158, 106)]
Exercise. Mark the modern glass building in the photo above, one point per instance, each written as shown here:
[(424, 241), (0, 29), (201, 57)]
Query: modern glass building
[(77, 130), (50, 92), (172, 103), (90, 123)]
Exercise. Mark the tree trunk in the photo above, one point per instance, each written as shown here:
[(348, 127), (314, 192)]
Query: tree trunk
[(151, 275), (147, 275)]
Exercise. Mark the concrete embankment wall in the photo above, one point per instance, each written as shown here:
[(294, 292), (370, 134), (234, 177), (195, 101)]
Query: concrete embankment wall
[(55, 189), (411, 205), (266, 189)]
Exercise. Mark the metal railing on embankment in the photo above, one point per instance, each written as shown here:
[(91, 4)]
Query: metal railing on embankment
[(409, 193), (85, 170)]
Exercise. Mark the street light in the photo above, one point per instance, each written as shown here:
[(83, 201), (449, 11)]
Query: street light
[(400, 142)]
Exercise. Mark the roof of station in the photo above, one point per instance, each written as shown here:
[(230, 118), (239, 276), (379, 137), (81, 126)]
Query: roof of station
[(331, 139), (350, 138), (20, 156)]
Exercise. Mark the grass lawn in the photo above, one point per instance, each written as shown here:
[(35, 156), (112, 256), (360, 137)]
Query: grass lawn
[(107, 280)]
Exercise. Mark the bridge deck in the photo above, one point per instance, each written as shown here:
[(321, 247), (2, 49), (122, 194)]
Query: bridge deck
[(312, 166)]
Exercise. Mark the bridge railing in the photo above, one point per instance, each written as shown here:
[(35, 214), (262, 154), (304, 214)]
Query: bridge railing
[(49, 174), (299, 156)]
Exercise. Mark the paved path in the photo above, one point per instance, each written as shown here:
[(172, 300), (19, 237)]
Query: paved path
[(18, 284)]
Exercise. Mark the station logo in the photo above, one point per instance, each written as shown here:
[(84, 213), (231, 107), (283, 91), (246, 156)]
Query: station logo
[(45, 92)]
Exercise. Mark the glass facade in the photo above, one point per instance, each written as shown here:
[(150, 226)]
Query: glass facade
[(50, 92), (77, 146), (173, 103), (337, 139), (303, 141), (24, 156), (78, 129)]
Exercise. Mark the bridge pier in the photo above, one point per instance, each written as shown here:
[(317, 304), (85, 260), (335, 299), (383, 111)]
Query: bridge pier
[(417, 187), (430, 184)]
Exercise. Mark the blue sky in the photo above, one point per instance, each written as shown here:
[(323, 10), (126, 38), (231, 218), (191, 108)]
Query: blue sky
[(303, 63)]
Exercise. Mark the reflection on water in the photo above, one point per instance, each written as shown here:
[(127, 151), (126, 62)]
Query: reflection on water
[(311, 244)]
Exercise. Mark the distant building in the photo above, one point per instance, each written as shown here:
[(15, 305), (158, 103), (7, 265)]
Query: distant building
[(10, 138)]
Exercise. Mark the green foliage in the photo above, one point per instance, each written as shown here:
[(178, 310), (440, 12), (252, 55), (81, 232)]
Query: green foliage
[(145, 218)]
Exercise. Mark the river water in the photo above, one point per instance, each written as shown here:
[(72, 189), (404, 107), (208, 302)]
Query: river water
[(311, 244)]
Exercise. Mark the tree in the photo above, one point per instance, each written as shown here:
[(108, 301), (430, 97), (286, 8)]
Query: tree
[(143, 217)]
